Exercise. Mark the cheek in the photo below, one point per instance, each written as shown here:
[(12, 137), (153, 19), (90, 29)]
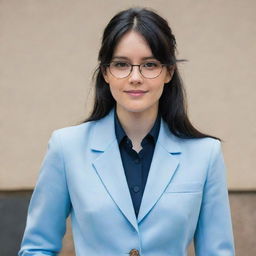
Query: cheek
[(115, 90), (157, 89)]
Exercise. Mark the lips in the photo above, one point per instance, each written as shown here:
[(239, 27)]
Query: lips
[(136, 92)]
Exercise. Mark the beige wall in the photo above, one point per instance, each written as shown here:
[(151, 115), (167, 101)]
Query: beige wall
[(48, 51)]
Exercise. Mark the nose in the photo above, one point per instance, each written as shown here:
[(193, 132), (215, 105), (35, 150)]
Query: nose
[(135, 76)]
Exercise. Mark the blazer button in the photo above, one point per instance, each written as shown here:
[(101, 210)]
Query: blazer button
[(134, 252)]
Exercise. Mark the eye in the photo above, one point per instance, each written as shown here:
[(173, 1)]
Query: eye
[(151, 65), (120, 64)]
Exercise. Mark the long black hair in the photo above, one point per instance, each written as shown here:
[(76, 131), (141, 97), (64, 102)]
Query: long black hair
[(159, 36)]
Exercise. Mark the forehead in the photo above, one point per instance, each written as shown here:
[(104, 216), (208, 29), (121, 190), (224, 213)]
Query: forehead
[(132, 45)]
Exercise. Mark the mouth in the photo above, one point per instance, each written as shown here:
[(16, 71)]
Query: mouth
[(136, 93)]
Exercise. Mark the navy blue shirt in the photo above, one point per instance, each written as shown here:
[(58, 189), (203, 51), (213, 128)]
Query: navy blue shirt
[(136, 165)]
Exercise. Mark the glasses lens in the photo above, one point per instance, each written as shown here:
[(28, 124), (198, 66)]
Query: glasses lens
[(120, 69), (151, 69)]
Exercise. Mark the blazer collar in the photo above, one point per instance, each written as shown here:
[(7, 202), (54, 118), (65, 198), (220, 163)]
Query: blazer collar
[(104, 134)]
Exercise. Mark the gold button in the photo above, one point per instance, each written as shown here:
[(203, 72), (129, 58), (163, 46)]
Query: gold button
[(134, 252)]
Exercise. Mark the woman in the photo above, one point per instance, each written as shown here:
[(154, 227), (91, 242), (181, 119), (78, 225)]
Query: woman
[(136, 176)]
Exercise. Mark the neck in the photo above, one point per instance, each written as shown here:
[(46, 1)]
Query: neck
[(137, 124)]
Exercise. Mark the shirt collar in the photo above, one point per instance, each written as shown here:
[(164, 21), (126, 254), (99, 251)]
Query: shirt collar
[(120, 133)]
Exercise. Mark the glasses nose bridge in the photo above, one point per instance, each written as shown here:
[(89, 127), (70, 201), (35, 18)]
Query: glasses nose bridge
[(135, 65)]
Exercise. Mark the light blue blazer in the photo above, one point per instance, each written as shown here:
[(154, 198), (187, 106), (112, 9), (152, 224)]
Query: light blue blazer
[(185, 197)]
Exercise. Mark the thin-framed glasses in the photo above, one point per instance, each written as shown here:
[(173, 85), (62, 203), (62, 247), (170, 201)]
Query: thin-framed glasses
[(122, 69)]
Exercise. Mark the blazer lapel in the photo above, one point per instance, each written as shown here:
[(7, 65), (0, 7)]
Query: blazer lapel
[(163, 166), (108, 165)]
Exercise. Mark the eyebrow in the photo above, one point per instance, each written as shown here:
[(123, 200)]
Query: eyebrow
[(126, 58)]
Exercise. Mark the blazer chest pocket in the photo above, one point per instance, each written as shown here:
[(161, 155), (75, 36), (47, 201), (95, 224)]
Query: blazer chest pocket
[(184, 188)]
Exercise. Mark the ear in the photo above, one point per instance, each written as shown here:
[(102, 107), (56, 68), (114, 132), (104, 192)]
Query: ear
[(169, 74), (105, 74)]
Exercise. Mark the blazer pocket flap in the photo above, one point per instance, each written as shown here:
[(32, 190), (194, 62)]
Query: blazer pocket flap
[(184, 188)]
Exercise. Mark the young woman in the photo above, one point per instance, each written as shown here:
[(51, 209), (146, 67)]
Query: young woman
[(136, 176)]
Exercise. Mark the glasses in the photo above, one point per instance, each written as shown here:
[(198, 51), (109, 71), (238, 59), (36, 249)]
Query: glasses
[(122, 69)]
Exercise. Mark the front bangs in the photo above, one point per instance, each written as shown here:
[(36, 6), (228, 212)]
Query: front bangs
[(113, 40), (157, 42)]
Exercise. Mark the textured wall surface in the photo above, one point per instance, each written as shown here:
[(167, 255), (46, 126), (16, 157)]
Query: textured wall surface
[(13, 210), (48, 52)]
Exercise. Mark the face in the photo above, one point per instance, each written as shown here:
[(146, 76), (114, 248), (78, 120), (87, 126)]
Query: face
[(135, 93)]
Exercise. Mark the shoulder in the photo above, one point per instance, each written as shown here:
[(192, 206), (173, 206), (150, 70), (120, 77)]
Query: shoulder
[(74, 133), (191, 146), (200, 150), (204, 146), (97, 134), (206, 151)]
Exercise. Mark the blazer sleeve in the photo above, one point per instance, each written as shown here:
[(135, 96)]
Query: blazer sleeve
[(214, 236), (49, 206)]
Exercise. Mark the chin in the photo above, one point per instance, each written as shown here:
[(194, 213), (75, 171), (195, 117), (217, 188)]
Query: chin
[(134, 109)]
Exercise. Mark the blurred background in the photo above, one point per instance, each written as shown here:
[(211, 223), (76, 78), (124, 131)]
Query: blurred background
[(48, 53)]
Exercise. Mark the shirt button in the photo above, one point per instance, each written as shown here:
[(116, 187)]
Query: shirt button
[(136, 189), (134, 252), (137, 160), (128, 143)]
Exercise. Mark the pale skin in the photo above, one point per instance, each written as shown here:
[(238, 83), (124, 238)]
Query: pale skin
[(137, 114)]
